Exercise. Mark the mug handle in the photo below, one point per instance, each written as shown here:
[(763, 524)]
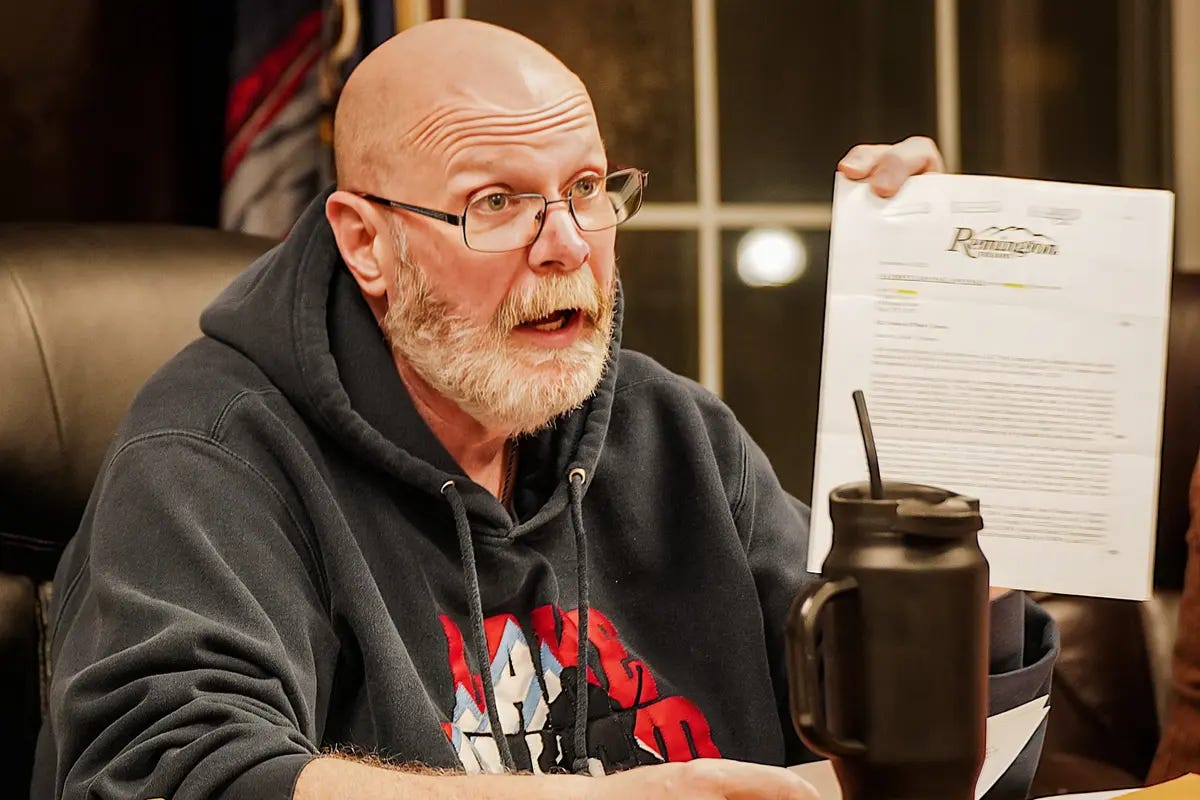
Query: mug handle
[(804, 688)]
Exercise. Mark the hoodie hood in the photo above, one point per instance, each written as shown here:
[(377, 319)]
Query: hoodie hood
[(302, 286)]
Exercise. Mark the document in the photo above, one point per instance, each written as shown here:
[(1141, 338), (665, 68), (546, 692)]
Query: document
[(1010, 337), (1007, 735)]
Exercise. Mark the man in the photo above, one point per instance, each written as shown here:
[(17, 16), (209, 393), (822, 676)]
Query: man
[(306, 539)]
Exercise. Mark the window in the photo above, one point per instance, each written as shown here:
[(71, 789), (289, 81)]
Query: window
[(740, 112)]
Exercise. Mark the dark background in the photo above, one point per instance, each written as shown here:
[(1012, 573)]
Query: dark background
[(113, 111)]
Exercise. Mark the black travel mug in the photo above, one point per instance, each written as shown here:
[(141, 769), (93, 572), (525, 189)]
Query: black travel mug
[(887, 653)]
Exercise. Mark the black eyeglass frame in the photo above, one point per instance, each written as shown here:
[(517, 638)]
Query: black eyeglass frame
[(460, 220)]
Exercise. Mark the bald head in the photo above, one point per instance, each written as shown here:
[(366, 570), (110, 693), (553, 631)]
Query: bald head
[(421, 97)]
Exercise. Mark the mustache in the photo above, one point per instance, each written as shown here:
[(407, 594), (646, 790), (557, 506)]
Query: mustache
[(575, 290)]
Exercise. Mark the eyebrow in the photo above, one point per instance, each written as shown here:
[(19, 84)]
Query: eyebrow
[(475, 176)]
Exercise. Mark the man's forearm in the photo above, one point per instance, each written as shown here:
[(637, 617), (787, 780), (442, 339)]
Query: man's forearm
[(334, 778)]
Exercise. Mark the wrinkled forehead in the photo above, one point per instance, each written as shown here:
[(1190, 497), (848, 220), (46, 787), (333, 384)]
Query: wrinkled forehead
[(468, 137)]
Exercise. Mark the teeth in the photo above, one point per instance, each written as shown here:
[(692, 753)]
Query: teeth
[(547, 327)]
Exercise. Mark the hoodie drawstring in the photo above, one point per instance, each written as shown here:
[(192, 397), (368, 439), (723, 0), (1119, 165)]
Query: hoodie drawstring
[(582, 764), (463, 528)]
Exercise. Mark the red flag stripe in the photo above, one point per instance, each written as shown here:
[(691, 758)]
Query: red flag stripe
[(265, 113), (249, 90)]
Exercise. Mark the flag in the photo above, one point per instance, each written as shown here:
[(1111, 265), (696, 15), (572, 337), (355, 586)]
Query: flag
[(274, 160), (290, 60)]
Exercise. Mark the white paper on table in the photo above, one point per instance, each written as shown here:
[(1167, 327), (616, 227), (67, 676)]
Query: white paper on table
[(1010, 337), (1007, 735)]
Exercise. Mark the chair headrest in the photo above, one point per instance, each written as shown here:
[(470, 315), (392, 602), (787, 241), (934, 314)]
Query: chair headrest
[(87, 313)]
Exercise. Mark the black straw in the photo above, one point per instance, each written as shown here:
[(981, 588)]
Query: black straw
[(864, 426)]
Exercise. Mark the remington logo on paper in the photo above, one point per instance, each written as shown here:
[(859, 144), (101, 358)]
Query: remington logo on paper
[(1010, 242)]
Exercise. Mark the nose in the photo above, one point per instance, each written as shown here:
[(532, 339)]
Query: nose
[(560, 246)]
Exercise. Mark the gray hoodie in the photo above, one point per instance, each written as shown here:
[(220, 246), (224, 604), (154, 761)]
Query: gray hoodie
[(279, 558)]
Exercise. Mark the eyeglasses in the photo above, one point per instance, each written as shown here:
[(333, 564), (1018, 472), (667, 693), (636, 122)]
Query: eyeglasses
[(499, 222)]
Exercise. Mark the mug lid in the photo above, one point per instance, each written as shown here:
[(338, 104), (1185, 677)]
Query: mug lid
[(953, 516), (910, 508)]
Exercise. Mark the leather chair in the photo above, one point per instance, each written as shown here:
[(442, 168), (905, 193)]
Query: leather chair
[(87, 313)]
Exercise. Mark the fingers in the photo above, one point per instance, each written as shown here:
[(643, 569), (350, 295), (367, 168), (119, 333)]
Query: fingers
[(739, 780), (913, 156), (861, 160), (888, 166)]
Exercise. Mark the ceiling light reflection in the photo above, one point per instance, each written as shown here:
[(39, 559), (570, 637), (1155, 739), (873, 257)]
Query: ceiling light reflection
[(771, 257)]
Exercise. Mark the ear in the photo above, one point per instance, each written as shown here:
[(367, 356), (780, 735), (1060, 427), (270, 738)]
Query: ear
[(362, 239)]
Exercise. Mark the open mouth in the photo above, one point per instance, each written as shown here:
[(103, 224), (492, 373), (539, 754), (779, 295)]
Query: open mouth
[(552, 322)]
